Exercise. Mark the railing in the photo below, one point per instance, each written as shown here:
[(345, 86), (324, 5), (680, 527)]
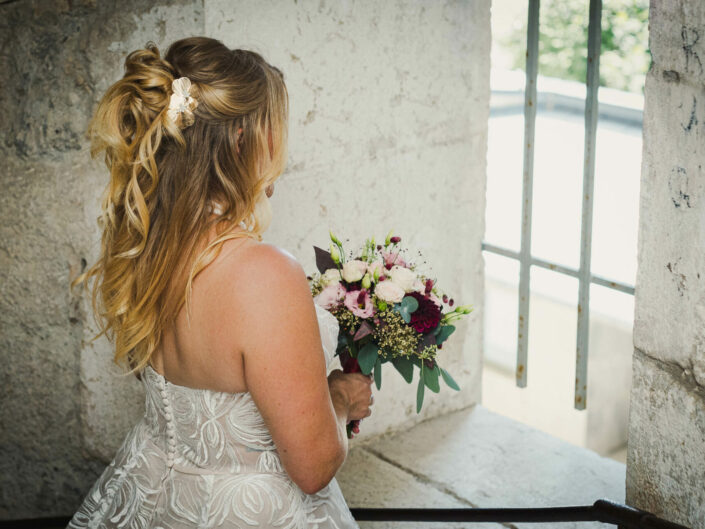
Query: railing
[(605, 511)]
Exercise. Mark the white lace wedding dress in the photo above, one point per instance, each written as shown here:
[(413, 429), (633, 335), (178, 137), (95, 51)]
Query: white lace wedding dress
[(201, 458)]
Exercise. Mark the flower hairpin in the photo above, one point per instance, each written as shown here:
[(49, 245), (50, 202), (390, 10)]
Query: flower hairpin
[(181, 104)]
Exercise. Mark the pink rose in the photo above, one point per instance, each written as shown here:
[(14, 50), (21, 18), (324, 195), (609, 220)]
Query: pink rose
[(359, 303), (330, 296)]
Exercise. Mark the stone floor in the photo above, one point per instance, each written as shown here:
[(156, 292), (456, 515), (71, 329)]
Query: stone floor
[(477, 458)]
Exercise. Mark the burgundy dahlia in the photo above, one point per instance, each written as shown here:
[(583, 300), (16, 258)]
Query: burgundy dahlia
[(427, 316)]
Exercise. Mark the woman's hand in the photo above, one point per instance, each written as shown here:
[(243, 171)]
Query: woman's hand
[(355, 390)]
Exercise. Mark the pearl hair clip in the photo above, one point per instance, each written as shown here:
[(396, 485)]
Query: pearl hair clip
[(181, 104)]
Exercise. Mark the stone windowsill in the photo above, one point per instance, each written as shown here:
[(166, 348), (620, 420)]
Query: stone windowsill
[(477, 458)]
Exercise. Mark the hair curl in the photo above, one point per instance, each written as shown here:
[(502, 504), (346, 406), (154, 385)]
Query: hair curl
[(163, 180)]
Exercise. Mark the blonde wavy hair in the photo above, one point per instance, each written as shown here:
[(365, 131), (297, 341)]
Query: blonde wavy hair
[(156, 209)]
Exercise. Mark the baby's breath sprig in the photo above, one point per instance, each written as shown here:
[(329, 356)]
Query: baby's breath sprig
[(316, 288), (347, 320), (429, 352), (394, 337)]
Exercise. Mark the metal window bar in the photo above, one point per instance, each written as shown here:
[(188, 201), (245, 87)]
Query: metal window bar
[(583, 274), (532, 67), (605, 511)]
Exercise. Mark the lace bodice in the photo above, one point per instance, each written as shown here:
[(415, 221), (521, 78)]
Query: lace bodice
[(215, 431), (201, 458)]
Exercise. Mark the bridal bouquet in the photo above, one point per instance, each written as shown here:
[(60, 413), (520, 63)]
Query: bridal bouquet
[(388, 313)]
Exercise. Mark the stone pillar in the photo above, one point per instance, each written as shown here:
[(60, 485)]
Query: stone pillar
[(666, 449)]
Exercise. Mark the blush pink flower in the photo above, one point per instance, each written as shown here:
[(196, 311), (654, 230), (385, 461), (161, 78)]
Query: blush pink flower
[(330, 296), (376, 267), (360, 303), (391, 259), (435, 299)]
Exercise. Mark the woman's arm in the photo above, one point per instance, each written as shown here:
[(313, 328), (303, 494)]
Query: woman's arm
[(284, 367)]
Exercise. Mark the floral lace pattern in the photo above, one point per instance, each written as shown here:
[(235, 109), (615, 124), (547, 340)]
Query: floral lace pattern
[(201, 458)]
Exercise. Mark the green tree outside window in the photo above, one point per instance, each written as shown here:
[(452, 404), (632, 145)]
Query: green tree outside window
[(624, 58)]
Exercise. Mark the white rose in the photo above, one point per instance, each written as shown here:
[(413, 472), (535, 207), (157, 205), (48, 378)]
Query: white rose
[(389, 291), (403, 277), (354, 270), (330, 277)]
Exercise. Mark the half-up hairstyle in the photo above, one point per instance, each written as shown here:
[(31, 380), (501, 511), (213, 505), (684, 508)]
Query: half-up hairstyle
[(156, 208)]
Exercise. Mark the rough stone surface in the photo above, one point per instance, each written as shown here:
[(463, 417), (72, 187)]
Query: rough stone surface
[(370, 482), (677, 40), (388, 130), (57, 59), (670, 313), (665, 454), (481, 459)]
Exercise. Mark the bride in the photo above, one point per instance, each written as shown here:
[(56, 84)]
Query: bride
[(244, 425)]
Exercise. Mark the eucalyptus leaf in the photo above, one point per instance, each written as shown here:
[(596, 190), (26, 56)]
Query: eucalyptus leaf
[(409, 303), (367, 357), (378, 373), (405, 368), (419, 393), (446, 331), (430, 377), (449, 379), (405, 315)]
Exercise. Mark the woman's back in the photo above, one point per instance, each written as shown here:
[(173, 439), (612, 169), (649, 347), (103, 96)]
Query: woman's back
[(205, 458), (202, 349)]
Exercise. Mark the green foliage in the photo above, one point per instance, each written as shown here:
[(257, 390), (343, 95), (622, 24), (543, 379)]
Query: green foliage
[(419, 391), (430, 377), (378, 373), (367, 357), (443, 332), (405, 367), (406, 307), (624, 57), (449, 380)]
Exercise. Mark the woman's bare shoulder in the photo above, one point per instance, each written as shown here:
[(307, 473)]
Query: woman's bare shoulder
[(263, 270), (262, 259)]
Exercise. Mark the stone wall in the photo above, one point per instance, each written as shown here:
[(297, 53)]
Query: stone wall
[(666, 450), (388, 126), (58, 58), (388, 130)]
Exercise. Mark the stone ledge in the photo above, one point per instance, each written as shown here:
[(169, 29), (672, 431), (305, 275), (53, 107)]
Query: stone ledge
[(477, 458)]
